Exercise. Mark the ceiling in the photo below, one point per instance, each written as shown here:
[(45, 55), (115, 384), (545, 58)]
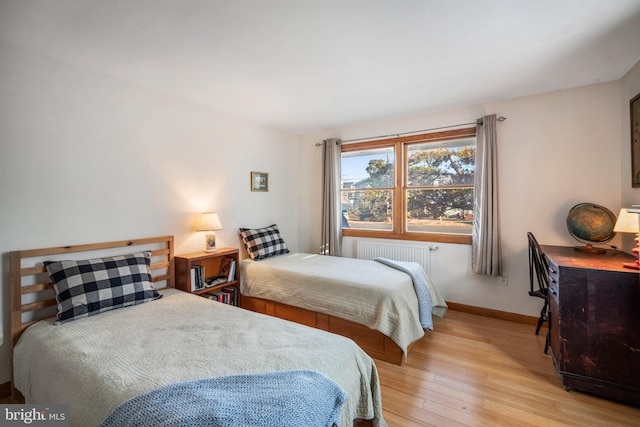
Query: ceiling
[(308, 65)]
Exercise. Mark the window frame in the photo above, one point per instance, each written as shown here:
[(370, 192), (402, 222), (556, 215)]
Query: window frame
[(400, 147)]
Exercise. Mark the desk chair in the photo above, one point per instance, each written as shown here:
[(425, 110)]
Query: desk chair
[(539, 281)]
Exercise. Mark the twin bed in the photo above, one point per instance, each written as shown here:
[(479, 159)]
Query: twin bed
[(381, 304), (367, 301), (95, 363)]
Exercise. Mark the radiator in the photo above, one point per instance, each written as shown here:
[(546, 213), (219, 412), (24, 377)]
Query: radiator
[(397, 252)]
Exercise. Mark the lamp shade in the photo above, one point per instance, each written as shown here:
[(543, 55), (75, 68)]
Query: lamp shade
[(209, 221), (627, 222)]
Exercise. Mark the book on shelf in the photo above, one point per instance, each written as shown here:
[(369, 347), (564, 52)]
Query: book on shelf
[(197, 277), (226, 267), (233, 291), (222, 297), (193, 279), (227, 295), (232, 271), (215, 296)]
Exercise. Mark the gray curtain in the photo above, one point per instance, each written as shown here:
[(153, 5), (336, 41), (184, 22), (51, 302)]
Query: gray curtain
[(331, 243), (486, 256)]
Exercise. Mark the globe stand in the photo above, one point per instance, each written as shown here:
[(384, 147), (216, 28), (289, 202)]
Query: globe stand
[(589, 248)]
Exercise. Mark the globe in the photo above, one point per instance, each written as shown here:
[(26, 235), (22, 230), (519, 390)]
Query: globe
[(591, 224)]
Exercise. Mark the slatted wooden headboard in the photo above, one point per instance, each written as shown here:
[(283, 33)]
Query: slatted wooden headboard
[(32, 295)]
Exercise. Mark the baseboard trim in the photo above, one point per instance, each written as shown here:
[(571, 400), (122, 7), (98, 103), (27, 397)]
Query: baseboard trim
[(496, 314)]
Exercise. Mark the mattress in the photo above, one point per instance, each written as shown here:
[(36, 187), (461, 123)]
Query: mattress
[(365, 292), (96, 363)]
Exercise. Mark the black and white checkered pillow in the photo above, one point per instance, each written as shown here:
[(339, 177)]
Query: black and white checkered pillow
[(87, 287), (264, 242)]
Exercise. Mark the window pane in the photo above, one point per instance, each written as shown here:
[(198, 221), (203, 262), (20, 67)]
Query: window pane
[(367, 209), (441, 163), (440, 210), (368, 168)]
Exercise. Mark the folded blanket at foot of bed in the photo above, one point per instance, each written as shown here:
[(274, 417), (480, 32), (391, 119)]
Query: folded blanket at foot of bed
[(430, 302), (286, 398)]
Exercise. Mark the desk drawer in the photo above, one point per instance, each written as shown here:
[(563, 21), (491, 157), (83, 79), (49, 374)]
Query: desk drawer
[(554, 279), (553, 315)]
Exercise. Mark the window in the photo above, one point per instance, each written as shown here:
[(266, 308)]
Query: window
[(418, 187), (368, 185)]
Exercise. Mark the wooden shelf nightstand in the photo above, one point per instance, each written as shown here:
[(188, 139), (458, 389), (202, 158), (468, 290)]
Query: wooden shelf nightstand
[(211, 263)]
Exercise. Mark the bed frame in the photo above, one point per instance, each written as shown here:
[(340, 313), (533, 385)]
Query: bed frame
[(32, 296), (375, 343)]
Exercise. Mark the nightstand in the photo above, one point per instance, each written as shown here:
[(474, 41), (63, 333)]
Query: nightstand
[(210, 263)]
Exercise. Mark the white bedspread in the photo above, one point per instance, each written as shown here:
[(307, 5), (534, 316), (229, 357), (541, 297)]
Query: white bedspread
[(96, 363), (361, 291)]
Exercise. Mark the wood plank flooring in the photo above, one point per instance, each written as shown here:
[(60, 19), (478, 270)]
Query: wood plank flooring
[(478, 371)]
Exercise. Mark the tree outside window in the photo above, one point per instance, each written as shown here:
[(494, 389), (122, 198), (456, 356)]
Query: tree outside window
[(419, 187)]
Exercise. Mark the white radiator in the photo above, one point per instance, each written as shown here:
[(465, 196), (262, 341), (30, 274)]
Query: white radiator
[(398, 252)]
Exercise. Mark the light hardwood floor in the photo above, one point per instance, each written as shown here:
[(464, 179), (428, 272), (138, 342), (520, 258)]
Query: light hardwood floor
[(478, 371)]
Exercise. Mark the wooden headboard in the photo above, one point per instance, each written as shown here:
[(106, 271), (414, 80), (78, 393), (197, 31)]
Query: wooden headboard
[(32, 296)]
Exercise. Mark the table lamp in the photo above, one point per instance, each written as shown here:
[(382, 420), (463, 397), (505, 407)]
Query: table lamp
[(209, 222), (629, 222)]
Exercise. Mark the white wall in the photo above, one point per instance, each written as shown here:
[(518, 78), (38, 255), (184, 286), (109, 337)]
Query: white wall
[(86, 158), (555, 150), (630, 87)]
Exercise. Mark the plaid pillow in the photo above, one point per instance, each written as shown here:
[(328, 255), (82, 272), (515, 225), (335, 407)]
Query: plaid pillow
[(264, 242), (87, 287)]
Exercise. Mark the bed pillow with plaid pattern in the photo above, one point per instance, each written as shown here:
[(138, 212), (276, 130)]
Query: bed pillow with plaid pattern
[(87, 287), (264, 242)]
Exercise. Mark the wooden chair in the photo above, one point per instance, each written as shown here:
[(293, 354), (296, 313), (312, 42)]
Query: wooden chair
[(539, 281)]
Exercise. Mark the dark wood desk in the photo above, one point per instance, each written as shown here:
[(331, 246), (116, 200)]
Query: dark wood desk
[(594, 322)]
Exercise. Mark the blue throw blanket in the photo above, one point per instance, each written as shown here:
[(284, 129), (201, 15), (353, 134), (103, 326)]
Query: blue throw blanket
[(421, 286), (288, 398)]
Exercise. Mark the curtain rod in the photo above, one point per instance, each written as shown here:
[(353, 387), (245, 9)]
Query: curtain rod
[(479, 121)]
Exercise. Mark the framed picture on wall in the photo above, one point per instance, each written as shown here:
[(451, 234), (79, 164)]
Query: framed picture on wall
[(634, 106), (259, 181)]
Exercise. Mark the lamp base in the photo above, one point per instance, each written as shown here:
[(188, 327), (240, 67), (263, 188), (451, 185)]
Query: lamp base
[(636, 250), (210, 242)]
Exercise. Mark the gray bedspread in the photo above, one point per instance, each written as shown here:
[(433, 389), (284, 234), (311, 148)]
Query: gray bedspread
[(94, 364), (361, 291), (430, 302)]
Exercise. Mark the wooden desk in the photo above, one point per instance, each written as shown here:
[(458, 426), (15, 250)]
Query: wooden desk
[(594, 322)]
